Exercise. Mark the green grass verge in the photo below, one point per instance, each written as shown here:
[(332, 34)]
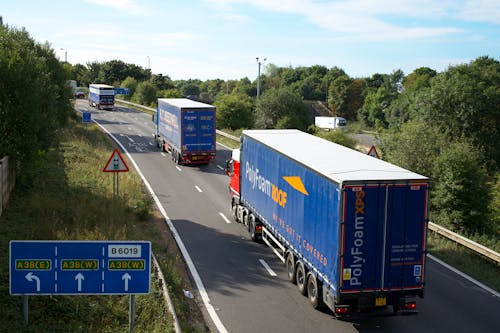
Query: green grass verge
[(62, 194)]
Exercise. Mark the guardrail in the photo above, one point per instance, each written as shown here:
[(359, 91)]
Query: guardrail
[(134, 104), (166, 295), (495, 256), (483, 250)]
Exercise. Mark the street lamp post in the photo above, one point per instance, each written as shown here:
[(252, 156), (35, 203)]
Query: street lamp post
[(149, 63), (65, 54), (258, 76)]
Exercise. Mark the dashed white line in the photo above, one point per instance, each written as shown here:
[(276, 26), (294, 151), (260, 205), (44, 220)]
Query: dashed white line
[(129, 138), (224, 218), (178, 168), (163, 154), (220, 167), (198, 188), (266, 266)]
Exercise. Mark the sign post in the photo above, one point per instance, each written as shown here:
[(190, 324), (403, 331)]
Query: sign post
[(79, 268), (115, 164)]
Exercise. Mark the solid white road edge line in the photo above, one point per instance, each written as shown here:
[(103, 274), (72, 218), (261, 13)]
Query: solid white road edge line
[(224, 218), (197, 279), (465, 276), (266, 266), (198, 188)]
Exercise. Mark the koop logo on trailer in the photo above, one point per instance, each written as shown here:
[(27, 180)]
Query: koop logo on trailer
[(79, 267)]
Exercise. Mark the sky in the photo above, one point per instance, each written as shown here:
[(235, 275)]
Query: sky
[(222, 39)]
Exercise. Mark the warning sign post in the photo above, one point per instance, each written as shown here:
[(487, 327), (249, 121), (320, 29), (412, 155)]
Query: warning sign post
[(115, 164)]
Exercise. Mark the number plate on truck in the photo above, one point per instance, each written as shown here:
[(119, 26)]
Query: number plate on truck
[(380, 301)]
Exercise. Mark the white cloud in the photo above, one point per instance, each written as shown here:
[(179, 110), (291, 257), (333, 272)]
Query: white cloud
[(376, 20), (129, 6), (481, 11)]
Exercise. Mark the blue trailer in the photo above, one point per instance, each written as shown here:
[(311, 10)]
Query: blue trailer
[(101, 96), (186, 129), (350, 228)]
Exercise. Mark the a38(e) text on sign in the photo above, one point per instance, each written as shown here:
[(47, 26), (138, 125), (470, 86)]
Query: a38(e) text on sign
[(79, 267)]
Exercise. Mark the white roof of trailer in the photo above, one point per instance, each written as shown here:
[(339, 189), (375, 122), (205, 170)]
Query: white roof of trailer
[(334, 161), (100, 85), (185, 103)]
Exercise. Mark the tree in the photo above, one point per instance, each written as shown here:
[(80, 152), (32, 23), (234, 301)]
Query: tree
[(145, 93), (415, 146), (281, 108), (338, 94), (461, 194), (419, 78), (34, 96), (131, 84), (162, 82), (465, 101), (234, 111), (374, 109)]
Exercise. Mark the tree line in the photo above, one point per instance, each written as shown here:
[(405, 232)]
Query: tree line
[(35, 100), (442, 125)]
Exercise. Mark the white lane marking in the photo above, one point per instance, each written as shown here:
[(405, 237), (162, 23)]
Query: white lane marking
[(163, 154), (129, 138), (220, 167), (224, 218), (266, 266), (178, 168), (198, 188), (194, 272), (151, 144), (465, 276)]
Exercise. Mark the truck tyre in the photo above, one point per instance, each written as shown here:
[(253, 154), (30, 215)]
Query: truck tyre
[(301, 278), (252, 225), (314, 291), (234, 211), (291, 268)]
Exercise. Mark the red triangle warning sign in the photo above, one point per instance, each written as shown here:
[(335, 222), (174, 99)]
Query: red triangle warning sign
[(116, 163), (373, 152)]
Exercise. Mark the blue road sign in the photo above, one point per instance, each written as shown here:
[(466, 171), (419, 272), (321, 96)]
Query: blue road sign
[(122, 91), (79, 267), (86, 117)]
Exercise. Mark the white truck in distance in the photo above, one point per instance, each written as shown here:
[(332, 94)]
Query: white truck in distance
[(331, 123)]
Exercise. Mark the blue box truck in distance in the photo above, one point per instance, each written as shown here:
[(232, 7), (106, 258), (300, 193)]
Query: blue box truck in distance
[(350, 228), (186, 129)]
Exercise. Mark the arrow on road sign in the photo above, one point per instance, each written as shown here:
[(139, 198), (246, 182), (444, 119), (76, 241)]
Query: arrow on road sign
[(30, 277), (79, 277), (126, 277)]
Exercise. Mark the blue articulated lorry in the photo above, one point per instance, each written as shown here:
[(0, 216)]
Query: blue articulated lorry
[(350, 228), (186, 129)]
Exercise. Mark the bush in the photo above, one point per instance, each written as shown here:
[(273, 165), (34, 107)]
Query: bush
[(461, 194)]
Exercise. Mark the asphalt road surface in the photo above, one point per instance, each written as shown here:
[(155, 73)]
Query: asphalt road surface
[(242, 283)]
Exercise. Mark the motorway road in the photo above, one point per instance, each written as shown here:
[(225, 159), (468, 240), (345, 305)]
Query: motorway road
[(246, 296)]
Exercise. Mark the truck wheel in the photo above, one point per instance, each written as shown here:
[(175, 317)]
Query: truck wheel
[(314, 291), (252, 225), (234, 212), (290, 268), (301, 278)]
